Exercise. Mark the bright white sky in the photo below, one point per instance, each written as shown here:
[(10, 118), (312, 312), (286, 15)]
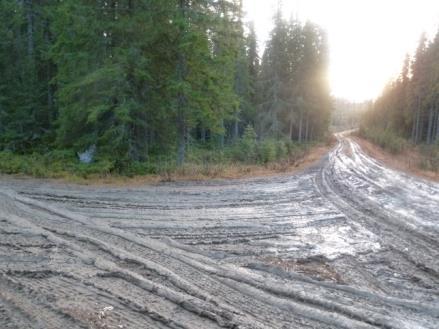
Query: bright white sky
[(368, 38)]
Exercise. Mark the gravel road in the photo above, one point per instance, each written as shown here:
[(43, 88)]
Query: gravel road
[(347, 243)]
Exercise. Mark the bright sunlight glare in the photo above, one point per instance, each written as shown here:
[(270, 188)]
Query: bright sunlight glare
[(368, 39)]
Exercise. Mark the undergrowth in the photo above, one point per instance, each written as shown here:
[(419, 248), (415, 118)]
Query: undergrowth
[(423, 156), (387, 139), (201, 160)]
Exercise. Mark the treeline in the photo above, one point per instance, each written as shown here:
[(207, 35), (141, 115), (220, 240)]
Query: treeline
[(347, 114), (294, 92), (138, 78), (409, 106)]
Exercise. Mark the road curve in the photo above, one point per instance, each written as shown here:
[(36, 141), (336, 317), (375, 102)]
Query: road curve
[(348, 244)]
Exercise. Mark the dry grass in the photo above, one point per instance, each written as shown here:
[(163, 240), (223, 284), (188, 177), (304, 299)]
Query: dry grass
[(315, 268), (95, 319), (409, 160)]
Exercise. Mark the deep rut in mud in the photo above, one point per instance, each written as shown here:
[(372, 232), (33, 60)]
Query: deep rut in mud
[(345, 244)]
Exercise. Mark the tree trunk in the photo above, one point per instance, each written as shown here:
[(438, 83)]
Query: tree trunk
[(222, 134), (415, 127), (181, 98), (291, 129), (420, 127), (203, 134), (48, 41), (236, 128), (437, 124), (418, 123), (300, 127), (307, 129), (430, 126), (434, 128), (30, 28), (181, 135)]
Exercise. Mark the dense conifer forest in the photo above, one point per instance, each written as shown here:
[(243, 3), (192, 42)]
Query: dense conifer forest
[(408, 109), (138, 80)]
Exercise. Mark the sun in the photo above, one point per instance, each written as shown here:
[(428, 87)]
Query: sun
[(368, 39)]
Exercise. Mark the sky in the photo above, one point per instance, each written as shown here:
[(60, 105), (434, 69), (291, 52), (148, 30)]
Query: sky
[(368, 39)]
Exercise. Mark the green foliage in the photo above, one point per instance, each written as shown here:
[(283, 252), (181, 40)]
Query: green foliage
[(387, 139), (267, 151), (430, 159), (51, 165), (245, 149), (147, 80), (281, 149), (294, 94), (249, 150), (409, 105), (26, 105)]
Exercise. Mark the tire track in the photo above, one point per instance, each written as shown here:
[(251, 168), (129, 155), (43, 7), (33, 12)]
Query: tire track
[(230, 254)]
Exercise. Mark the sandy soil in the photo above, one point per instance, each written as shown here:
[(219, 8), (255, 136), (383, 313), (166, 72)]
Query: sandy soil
[(347, 243)]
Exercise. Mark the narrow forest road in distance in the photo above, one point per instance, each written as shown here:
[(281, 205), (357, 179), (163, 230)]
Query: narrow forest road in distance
[(345, 244)]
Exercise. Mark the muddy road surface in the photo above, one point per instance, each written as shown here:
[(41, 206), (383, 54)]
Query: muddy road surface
[(345, 244)]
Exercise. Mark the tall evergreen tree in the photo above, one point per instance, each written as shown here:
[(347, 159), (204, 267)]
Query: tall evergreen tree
[(409, 105), (295, 95), (141, 78), (253, 62), (26, 104)]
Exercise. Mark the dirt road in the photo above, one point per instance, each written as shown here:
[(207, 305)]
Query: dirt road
[(346, 244)]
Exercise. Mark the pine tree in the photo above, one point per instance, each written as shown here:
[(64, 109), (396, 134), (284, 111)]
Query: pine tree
[(418, 71), (274, 79), (137, 79), (253, 63), (408, 106), (295, 95), (26, 104)]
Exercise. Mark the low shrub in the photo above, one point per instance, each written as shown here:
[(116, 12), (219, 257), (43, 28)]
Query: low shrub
[(201, 160), (281, 150), (267, 151), (387, 139), (52, 165), (430, 157), (245, 149)]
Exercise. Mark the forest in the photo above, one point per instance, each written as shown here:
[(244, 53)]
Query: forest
[(347, 115), (407, 112), (133, 81)]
